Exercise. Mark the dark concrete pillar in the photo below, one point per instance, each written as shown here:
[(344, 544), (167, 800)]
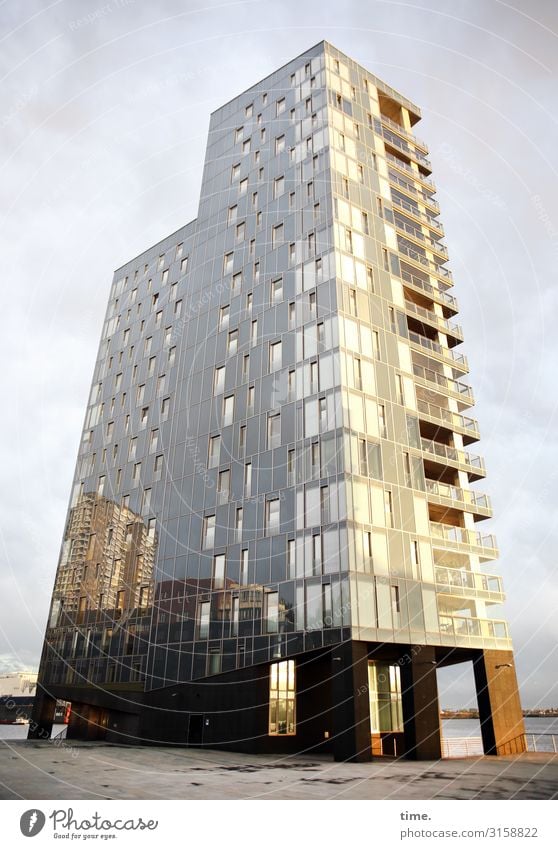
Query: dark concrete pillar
[(421, 712), (350, 705), (42, 716), (501, 719)]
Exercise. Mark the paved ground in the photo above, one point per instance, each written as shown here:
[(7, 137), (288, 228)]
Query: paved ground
[(74, 770)]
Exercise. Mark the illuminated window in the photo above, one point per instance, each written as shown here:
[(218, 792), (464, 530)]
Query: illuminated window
[(282, 714)]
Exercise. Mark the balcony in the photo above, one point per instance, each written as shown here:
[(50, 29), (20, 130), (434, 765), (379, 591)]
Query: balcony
[(455, 537), (422, 196), (448, 327), (469, 584), (467, 630), (455, 358), (414, 233), (417, 257), (402, 141), (406, 169), (411, 209), (403, 132), (462, 499), (435, 292), (455, 388), (454, 421), (471, 463)]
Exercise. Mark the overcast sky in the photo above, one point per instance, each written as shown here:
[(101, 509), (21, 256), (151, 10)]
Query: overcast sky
[(104, 110)]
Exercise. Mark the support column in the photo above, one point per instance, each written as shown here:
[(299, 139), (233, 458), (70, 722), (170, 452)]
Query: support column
[(42, 716), (501, 719), (350, 704), (421, 712)]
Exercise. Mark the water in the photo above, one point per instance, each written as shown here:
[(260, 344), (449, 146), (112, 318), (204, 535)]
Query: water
[(471, 727)]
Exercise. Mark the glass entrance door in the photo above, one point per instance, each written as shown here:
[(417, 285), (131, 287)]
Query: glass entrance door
[(386, 710)]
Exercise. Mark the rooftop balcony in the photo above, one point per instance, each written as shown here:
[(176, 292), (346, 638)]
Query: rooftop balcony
[(456, 388), (467, 584), (422, 196), (468, 427), (448, 327), (406, 169), (402, 140), (470, 631), (471, 463), (435, 292), (456, 358), (424, 218), (458, 538), (462, 499)]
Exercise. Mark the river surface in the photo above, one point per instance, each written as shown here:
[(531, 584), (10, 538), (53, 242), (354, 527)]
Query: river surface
[(451, 728)]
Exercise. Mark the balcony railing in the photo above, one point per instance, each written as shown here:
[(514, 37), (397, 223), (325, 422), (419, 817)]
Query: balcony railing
[(434, 291), (465, 626), (399, 129), (429, 220), (421, 237), (454, 420), (463, 536), (402, 144), (412, 190), (456, 386), (449, 353), (455, 455), (455, 493), (449, 327), (415, 256), (463, 581), (416, 175)]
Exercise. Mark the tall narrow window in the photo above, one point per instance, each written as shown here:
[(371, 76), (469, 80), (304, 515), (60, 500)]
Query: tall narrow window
[(388, 508), (208, 538), (274, 431), (228, 410), (272, 516), (275, 356), (203, 620), (282, 698), (271, 612), (219, 572)]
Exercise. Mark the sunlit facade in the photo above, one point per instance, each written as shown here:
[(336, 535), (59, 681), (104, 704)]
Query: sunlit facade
[(272, 539)]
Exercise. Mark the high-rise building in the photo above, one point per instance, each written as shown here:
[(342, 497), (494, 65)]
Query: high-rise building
[(272, 539)]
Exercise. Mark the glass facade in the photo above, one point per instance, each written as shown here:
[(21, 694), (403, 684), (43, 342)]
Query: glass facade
[(274, 455)]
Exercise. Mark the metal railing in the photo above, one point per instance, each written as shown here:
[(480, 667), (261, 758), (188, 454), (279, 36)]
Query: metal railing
[(434, 291), (461, 389), (455, 493), (452, 419), (412, 190), (469, 626), (458, 579), (455, 455), (449, 326), (407, 147), (416, 175), (418, 234), (456, 356), (462, 536), (429, 220), (460, 747), (408, 251), (399, 129)]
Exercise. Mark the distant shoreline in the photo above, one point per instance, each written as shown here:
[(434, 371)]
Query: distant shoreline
[(543, 713)]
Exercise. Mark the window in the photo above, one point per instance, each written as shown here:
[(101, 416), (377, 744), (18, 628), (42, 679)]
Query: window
[(223, 486), (254, 200), (250, 400), (291, 467), (279, 144), (256, 272), (241, 232), (158, 467), (236, 283), (178, 308), (352, 302), (249, 110), (243, 186), (244, 567), (233, 211), (235, 171), (219, 380), (232, 342), (208, 533), (238, 522), (322, 413), (388, 508), (165, 407), (278, 187), (275, 356), (214, 450), (248, 479), (399, 389), (280, 106), (311, 244), (291, 384), (242, 439), (276, 291), (254, 332), (276, 235), (143, 417), (184, 265), (313, 377), (224, 314), (245, 366), (161, 380), (132, 448), (272, 516), (357, 373), (218, 571), (228, 263), (324, 505), (165, 276), (292, 253), (203, 620), (292, 314), (376, 344), (271, 612), (228, 410), (382, 421), (282, 698), (274, 431), (246, 147)]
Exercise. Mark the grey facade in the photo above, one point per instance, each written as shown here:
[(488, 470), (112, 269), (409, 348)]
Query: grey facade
[(271, 539)]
